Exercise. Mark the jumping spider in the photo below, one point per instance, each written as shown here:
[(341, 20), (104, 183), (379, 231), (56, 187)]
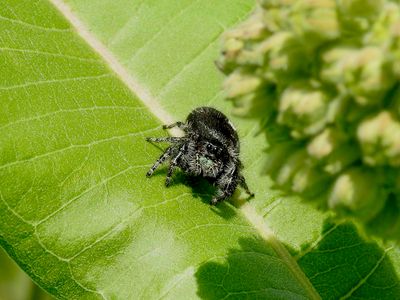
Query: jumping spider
[(210, 148)]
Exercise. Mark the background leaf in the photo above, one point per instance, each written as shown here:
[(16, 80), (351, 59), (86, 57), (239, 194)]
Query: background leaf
[(77, 212), (15, 284)]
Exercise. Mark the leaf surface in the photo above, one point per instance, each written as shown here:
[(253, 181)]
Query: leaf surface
[(81, 87)]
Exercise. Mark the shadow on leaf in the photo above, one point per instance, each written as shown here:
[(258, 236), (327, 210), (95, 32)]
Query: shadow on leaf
[(341, 264), (345, 264), (252, 272), (201, 189)]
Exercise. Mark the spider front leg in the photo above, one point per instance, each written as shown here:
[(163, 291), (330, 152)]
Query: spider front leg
[(223, 193), (178, 124), (226, 185), (243, 184), (169, 175), (173, 165), (218, 198), (159, 161), (168, 139)]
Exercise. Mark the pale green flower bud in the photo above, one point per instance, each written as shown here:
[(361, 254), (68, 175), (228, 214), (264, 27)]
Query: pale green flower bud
[(325, 143), (356, 16), (274, 19), (358, 191), (309, 182), (363, 73), (251, 29), (232, 47), (254, 28), (293, 163), (238, 84), (315, 20), (277, 3), (303, 109), (249, 58), (331, 150), (379, 137), (237, 46), (385, 29), (284, 56), (257, 103)]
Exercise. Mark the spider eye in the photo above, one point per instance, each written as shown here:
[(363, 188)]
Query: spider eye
[(212, 148)]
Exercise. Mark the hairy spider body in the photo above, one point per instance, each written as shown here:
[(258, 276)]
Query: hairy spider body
[(210, 149)]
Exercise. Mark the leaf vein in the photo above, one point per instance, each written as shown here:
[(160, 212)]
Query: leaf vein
[(76, 146), (62, 111), (155, 35), (186, 66), (102, 182), (45, 53), (13, 211), (116, 35), (33, 26), (364, 280), (315, 244), (44, 82), (98, 292)]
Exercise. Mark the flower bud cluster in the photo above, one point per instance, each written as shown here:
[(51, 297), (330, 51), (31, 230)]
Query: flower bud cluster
[(323, 75)]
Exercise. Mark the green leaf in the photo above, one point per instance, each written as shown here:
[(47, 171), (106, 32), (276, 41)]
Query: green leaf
[(15, 284), (81, 87)]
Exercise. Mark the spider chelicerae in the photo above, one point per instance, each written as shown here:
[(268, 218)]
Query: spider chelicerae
[(209, 148)]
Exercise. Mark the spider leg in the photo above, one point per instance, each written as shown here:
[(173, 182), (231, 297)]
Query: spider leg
[(177, 124), (172, 166), (243, 184), (168, 139), (223, 193), (169, 175), (226, 185), (159, 161), (220, 196)]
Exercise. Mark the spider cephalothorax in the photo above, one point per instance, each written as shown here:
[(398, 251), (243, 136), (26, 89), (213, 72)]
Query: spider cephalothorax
[(210, 148)]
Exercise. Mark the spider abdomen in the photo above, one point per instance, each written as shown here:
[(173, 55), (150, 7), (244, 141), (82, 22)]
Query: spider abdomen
[(213, 125)]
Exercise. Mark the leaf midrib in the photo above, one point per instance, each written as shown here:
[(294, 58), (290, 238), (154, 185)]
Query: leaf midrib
[(132, 83), (248, 211)]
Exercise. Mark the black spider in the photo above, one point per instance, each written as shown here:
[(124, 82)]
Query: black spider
[(210, 148)]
